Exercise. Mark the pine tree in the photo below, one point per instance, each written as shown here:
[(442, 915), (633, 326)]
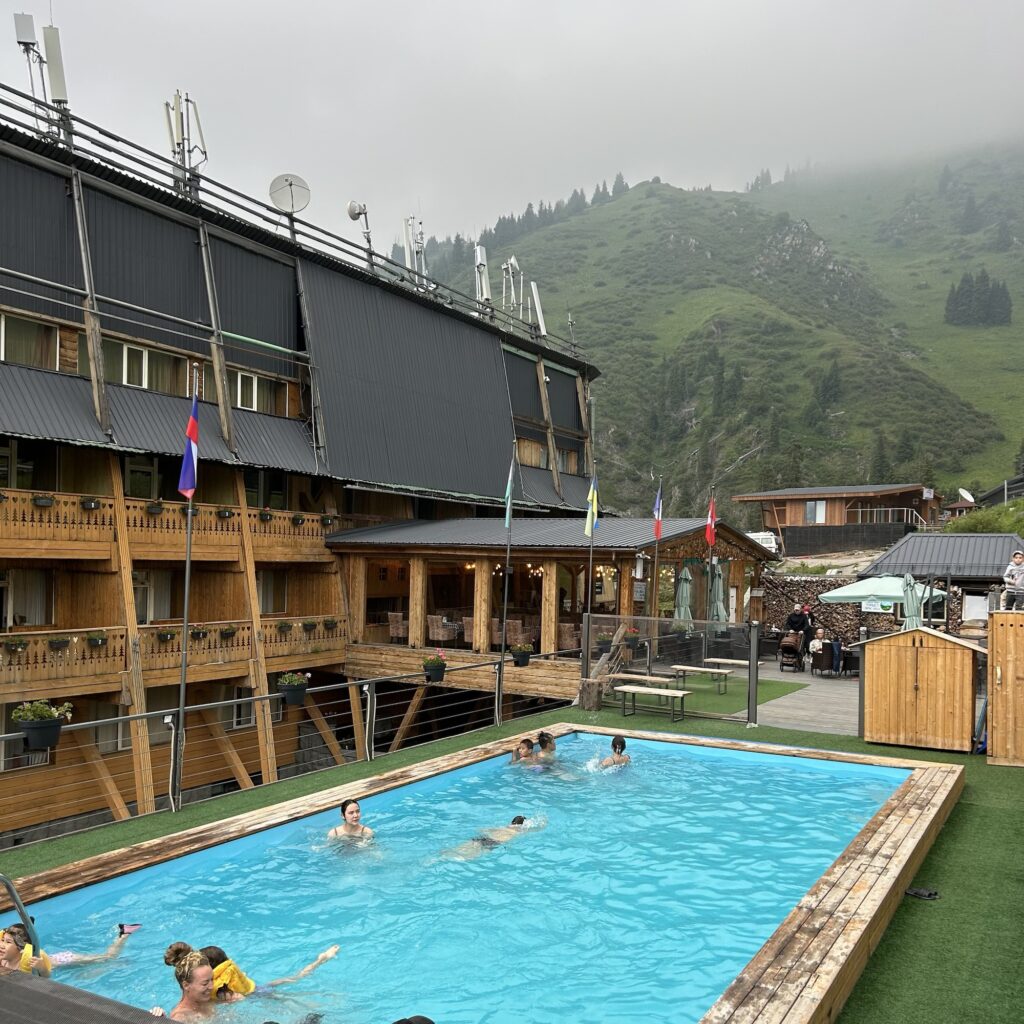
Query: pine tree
[(970, 219), (619, 186), (1004, 240), (1000, 307), (881, 468), (951, 305), (981, 301)]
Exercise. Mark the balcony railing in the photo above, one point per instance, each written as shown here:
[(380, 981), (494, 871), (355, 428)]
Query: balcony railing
[(884, 515), (276, 528), (35, 516), (59, 655), (302, 635), (160, 527), (209, 643)]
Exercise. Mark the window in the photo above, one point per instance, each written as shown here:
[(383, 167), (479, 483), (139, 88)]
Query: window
[(115, 736), (567, 461), (243, 715), (165, 699), (138, 367), (265, 488), (938, 609), (272, 587), (135, 366), (249, 391), (167, 374), (141, 479), (814, 513), (28, 343), (532, 453), (246, 390)]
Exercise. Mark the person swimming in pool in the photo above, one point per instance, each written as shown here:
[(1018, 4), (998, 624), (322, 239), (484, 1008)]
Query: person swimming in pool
[(490, 838), (524, 752), (16, 953), (618, 755), (194, 975), (351, 827), (546, 742)]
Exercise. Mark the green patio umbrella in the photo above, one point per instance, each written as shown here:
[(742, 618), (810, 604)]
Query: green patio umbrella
[(717, 610), (682, 613), (883, 589), (911, 604)]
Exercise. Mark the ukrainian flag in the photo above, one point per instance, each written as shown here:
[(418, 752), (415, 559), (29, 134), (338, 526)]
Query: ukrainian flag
[(592, 516)]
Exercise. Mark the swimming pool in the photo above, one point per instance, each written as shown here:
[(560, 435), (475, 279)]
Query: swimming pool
[(648, 890)]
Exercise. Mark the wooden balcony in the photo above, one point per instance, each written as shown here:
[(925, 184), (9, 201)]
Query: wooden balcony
[(61, 663), (314, 646), (225, 649), (291, 536), (54, 525), (156, 530)]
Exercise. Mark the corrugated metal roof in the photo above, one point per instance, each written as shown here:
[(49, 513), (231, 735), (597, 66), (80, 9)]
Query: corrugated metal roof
[(47, 404), (832, 492), (612, 534), (536, 485), (964, 556)]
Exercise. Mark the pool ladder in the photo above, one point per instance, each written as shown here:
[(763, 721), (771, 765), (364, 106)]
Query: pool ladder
[(30, 927)]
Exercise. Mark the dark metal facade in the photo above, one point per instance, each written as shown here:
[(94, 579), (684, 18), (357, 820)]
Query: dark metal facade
[(964, 556), (522, 385)]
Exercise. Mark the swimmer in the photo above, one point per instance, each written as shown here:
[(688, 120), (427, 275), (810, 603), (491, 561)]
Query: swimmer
[(524, 751), (194, 976), (618, 754), (230, 984), (546, 742), (489, 838), (351, 827), (16, 953)]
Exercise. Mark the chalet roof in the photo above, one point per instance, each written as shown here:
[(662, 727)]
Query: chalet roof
[(845, 491), (618, 535), (963, 556), (960, 641), (537, 487)]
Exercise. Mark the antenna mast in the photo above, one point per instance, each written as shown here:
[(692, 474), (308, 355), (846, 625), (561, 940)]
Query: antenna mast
[(180, 113)]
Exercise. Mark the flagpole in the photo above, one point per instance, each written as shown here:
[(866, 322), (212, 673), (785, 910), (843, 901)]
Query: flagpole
[(178, 752), (657, 540), (711, 550), (499, 679)]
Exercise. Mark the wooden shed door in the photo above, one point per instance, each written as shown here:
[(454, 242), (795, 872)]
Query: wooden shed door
[(1006, 688)]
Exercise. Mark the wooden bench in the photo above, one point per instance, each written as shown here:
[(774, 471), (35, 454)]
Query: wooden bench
[(720, 675), (659, 691), (740, 662)]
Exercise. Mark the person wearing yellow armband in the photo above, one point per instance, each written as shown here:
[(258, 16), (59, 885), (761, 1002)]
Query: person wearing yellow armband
[(17, 954)]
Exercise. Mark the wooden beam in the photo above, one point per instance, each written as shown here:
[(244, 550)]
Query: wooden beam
[(483, 600), (356, 597), (545, 404), (625, 577), (220, 374), (549, 607), (588, 449), (226, 748), (101, 774), (407, 718), (316, 716), (417, 601), (357, 721)]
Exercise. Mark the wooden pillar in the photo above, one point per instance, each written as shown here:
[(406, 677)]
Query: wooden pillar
[(549, 608), (356, 565), (545, 405), (588, 451), (417, 601), (483, 603), (624, 604), (142, 762), (258, 662)]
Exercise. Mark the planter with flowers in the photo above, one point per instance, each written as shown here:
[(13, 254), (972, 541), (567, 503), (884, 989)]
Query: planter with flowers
[(521, 654), (604, 643), (434, 666), (16, 644), (41, 722), (266, 515), (292, 686), (632, 637)]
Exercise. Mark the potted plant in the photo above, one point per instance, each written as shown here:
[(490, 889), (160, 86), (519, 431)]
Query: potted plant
[(326, 520), (309, 625), (227, 632), (155, 508), (521, 654), (198, 632), (604, 643), (59, 643), (40, 721), (266, 515), (434, 666), (632, 637), (285, 627), (42, 500), (90, 504), (298, 519), (97, 639), (225, 513), (166, 635), (330, 623), (16, 644), (292, 686)]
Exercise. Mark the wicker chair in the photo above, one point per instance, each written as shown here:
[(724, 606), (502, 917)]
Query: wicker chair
[(496, 633), (398, 627), (568, 637), (467, 630), (821, 661), (438, 632)]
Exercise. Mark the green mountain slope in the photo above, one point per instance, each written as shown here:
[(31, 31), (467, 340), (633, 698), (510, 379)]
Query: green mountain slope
[(792, 335)]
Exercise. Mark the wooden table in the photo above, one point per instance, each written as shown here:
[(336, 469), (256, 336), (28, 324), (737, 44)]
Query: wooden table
[(661, 691), (729, 661), (720, 675)]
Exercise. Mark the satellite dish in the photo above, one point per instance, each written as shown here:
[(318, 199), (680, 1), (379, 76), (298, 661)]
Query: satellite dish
[(355, 210), (966, 495), (289, 193)]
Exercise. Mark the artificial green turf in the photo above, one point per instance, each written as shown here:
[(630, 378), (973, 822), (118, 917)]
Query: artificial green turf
[(704, 697), (956, 959)]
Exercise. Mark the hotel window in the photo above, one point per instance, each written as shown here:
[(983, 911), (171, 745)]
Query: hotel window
[(28, 464), (160, 699), (249, 391), (814, 513), (28, 343), (265, 488), (139, 367), (272, 588), (116, 735), (241, 715), (566, 461)]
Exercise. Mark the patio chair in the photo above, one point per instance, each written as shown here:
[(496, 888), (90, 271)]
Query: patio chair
[(439, 632), (568, 636), (398, 627), (821, 661), (467, 630)]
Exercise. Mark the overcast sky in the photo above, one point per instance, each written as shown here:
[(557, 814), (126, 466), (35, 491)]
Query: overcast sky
[(459, 111)]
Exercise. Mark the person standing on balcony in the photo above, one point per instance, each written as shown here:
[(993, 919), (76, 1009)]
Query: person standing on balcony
[(1013, 577)]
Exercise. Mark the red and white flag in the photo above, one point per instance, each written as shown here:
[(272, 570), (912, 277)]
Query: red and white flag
[(709, 529), (657, 515)]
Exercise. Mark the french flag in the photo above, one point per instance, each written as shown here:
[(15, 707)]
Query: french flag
[(190, 460), (657, 515)]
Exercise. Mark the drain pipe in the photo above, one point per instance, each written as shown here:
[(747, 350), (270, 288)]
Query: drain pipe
[(755, 644)]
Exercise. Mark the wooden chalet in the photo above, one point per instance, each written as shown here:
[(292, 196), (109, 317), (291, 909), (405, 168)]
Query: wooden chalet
[(335, 392), (813, 520)]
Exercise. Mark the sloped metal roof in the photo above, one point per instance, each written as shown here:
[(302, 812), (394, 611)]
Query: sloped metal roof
[(536, 486), (828, 492), (964, 556), (41, 403), (612, 534)]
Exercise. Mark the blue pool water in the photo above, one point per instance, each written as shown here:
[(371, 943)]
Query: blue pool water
[(647, 891)]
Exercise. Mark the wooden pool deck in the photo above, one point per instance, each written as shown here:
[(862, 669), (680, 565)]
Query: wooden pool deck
[(803, 973)]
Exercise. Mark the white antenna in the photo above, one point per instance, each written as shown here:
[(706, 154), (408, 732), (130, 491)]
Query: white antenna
[(355, 211), (541, 326), (407, 231), (25, 31), (290, 194), (421, 250), (509, 269), (180, 113), (483, 284), (55, 66)]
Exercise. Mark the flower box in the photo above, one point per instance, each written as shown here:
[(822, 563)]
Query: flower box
[(166, 635), (96, 640), (227, 632), (310, 626), (266, 515), (298, 519), (16, 646), (155, 508), (285, 627), (292, 686), (42, 500), (330, 623), (434, 666), (90, 504), (41, 722), (225, 513), (521, 658), (326, 520), (59, 643), (198, 633)]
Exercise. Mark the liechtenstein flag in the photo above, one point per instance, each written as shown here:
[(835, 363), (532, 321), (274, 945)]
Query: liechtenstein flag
[(190, 460), (657, 515)]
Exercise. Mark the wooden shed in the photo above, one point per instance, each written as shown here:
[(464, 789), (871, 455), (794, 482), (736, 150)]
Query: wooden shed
[(919, 689)]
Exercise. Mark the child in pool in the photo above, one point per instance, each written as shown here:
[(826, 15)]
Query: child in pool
[(17, 954), (618, 754), (524, 753)]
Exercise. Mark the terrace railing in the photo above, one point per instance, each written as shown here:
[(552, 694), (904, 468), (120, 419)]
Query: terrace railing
[(209, 643), (159, 527), (50, 517), (859, 516), (61, 656), (303, 635)]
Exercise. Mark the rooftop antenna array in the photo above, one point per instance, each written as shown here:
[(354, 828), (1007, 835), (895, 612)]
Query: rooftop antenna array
[(355, 211), (290, 194), (572, 332), (542, 329), (415, 249), (25, 31), (483, 284), (187, 155), (509, 270)]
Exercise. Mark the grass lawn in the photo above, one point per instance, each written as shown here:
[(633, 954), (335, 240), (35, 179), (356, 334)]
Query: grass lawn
[(954, 959), (705, 698)]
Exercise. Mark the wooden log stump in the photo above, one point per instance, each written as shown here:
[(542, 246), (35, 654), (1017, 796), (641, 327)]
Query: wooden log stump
[(590, 694)]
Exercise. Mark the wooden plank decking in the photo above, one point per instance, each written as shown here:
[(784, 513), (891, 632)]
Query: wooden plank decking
[(803, 973)]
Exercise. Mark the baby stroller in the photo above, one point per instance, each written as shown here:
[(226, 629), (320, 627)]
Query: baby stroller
[(789, 653)]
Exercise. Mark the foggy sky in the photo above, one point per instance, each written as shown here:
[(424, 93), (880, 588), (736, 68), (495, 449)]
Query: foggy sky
[(460, 111)]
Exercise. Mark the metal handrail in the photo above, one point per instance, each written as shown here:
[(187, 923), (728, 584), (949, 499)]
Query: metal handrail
[(26, 920)]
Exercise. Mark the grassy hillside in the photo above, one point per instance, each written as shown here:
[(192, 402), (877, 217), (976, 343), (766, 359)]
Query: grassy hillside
[(769, 339)]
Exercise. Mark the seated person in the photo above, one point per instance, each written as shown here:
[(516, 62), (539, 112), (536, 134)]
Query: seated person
[(351, 827), (489, 838), (818, 644), (16, 953)]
